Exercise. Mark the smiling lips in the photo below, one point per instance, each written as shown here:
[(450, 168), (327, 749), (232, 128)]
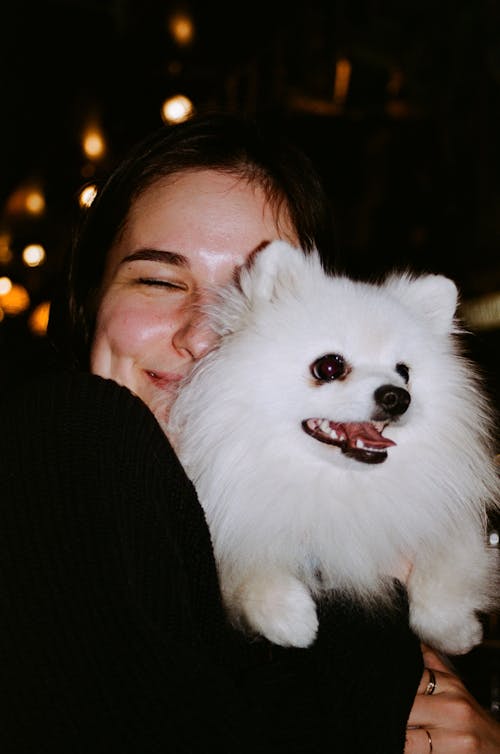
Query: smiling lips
[(362, 441), (164, 380)]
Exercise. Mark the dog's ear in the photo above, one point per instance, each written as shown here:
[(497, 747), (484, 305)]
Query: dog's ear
[(270, 267), (258, 280), (434, 297)]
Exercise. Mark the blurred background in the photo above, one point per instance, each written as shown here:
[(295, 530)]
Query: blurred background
[(396, 103)]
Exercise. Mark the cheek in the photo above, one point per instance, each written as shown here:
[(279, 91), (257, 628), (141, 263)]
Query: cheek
[(134, 329)]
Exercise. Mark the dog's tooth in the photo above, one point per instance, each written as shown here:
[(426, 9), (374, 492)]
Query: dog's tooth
[(360, 443), (334, 434), (325, 426)]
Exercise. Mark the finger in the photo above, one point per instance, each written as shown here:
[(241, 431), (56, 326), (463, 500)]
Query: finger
[(420, 741), (428, 711), (435, 682), (429, 682), (451, 710), (435, 661)]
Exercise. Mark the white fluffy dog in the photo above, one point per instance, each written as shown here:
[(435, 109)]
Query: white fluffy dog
[(335, 437)]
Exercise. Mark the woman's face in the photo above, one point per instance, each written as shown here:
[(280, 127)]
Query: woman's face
[(183, 233)]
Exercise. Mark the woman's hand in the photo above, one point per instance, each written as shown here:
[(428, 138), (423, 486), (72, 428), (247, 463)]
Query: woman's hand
[(449, 720)]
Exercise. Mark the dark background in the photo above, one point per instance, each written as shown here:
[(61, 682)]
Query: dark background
[(410, 158)]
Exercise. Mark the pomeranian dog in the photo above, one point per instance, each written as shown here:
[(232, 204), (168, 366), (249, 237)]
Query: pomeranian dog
[(337, 437)]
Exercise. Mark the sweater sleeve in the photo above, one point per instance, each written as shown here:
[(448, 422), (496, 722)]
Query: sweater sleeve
[(112, 634), (107, 583), (351, 692)]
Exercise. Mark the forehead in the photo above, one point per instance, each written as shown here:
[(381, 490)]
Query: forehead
[(214, 220), (205, 204)]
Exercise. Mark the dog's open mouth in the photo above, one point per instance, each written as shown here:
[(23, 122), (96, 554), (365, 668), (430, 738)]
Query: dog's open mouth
[(362, 441)]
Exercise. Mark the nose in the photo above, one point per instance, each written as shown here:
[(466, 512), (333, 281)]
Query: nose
[(392, 399), (195, 338)]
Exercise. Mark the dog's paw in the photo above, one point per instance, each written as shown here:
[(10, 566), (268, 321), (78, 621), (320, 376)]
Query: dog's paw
[(449, 631), (282, 610)]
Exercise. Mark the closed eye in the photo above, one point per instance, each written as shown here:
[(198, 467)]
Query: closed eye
[(161, 283)]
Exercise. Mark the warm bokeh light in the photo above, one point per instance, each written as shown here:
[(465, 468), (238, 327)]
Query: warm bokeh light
[(33, 255), (93, 143), (181, 28), (35, 202), (5, 285), (16, 300), (26, 199), (87, 195), (176, 109), (39, 318), (482, 313), (342, 79), (5, 251)]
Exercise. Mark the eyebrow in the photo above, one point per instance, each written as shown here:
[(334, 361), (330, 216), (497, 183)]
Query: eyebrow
[(156, 255)]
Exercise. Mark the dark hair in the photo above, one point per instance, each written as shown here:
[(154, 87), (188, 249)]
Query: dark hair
[(257, 152)]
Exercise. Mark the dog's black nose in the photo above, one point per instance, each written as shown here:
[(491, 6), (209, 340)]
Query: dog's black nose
[(394, 400)]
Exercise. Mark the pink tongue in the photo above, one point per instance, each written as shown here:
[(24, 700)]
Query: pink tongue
[(366, 432)]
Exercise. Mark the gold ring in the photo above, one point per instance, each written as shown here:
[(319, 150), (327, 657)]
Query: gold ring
[(432, 682), (430, 740)]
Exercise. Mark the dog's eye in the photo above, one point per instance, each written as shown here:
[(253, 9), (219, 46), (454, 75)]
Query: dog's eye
[(328, 367), (403, 371)]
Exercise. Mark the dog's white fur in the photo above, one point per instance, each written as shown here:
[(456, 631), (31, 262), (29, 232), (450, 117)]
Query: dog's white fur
[(284, 508)]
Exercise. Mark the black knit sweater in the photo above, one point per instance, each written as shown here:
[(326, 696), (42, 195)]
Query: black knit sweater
[(112, 634)]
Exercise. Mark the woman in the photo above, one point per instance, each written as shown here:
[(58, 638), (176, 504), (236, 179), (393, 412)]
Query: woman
[(113, 635)]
